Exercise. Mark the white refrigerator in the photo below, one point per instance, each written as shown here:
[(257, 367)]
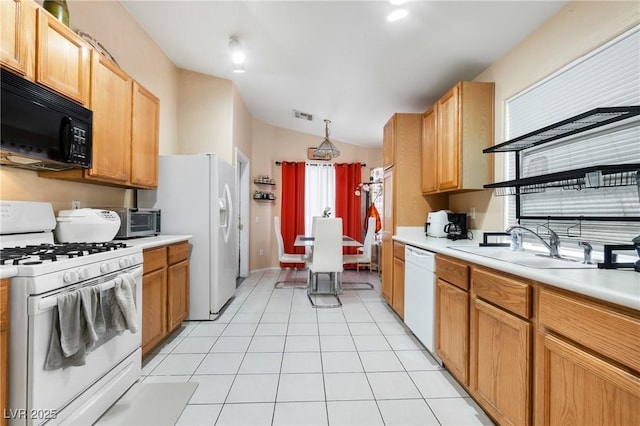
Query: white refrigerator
[(196, 194)]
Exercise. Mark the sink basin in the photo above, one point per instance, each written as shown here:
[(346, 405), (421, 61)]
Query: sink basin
[(525, 258)]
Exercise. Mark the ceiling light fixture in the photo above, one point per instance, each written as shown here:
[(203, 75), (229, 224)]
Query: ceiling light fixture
[(238, 68), (397, 2), (397, 15), (237, 54), (326, 148)]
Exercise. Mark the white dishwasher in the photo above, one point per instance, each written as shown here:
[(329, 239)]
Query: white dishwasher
[(420, 296)]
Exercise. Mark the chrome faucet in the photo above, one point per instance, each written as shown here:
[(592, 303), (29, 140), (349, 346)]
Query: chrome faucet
[(554, 242)]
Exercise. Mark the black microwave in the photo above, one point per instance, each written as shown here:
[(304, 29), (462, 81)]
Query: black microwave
[(41, 130)]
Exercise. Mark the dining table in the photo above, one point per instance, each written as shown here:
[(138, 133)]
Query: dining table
[(307, 241)]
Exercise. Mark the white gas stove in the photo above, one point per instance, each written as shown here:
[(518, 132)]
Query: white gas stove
[(78, 388)]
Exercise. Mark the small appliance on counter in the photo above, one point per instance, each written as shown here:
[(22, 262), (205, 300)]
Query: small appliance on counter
[(436, 222), (86, 225), (456, 229), (135, 222)]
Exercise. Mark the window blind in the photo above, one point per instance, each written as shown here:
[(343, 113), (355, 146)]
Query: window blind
[(606, 77)]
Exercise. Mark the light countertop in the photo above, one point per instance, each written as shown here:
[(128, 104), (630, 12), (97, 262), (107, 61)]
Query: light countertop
[(158, 240), (621, 287), (8, 271)]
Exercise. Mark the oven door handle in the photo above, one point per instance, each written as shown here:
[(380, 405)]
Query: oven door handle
[(49, 302)]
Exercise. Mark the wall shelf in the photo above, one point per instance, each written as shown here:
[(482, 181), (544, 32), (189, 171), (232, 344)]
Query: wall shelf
[(259, 194), (577, 124), (589, 177), (592, 177)]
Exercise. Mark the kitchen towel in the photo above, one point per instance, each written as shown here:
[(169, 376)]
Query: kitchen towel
[(55, 357), (72, 322), (118, 304), (124, 290), (92, 311)]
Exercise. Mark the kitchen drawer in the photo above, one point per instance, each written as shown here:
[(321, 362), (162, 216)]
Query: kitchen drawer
[(398, 250), (178, 252), (598, 327), (504, 291), (452, 271), (155, 258)]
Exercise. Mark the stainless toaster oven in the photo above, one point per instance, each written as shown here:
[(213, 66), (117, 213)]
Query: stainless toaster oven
[(136, 222)]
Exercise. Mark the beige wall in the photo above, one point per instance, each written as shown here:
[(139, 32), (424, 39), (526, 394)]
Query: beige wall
[(205, 114), (580, 27), (242, 122), (139, 56), (271, 144)]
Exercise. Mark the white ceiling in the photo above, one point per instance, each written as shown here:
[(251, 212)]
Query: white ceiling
[(340, 60)]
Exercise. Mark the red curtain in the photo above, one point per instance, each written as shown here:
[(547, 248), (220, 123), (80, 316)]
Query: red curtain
[(348, 204), (292, 207)]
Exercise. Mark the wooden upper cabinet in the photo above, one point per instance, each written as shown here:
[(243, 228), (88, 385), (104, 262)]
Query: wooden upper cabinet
[(111, 92), (457, 128), (63, 59), (388, 143), (125, 131), (429, 151), (144, 138), (18, 31), (448, 137)]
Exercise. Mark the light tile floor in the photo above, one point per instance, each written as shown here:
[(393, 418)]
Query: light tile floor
[(271, 358)]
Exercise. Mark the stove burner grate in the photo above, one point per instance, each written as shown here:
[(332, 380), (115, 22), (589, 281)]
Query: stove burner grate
[(35, 254)]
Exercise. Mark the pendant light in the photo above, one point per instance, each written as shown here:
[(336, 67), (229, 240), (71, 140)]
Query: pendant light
[(326, 149)]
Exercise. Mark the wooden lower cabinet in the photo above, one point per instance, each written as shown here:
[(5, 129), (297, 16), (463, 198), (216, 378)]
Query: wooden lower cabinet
[(165, 292), (4, 349), (177, 285), (501, 341), (529, 353), (587, 362), (452, 329), (397, 302), (580, 388), (500, 377), (154, 302)]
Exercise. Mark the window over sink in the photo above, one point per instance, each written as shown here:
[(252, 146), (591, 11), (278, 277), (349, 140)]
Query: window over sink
[(606, 77)]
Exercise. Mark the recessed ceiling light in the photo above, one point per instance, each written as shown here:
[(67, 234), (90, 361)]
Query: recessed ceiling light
[(397, 15), (397, 2)]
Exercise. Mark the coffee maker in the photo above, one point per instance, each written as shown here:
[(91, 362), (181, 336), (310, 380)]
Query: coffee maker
[(456, 229)]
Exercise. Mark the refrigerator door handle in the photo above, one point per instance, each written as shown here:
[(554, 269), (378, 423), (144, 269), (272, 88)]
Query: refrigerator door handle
[(226, 212)]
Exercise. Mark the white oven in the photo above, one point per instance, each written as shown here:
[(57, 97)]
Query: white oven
[(75, 392)]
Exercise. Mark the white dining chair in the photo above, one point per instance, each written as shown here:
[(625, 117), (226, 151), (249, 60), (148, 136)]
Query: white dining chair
[(288, 258), (365, 256), (326, 259)]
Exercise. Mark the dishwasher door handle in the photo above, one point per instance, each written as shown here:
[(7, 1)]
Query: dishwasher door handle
[(418, 253)]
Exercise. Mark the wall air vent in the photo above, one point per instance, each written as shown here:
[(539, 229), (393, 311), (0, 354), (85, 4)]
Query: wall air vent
[(302, 115)]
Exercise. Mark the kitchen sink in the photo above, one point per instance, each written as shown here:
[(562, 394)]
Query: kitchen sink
[(525, 258)]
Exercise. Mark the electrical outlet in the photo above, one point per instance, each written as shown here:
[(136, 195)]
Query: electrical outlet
[(75, 204), (261, 252), (472, 212), (257, 219)]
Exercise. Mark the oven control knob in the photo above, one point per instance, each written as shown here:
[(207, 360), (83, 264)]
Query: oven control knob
[(70, 277), (105, 268), (124, 262), (132, 260), (83, 273)]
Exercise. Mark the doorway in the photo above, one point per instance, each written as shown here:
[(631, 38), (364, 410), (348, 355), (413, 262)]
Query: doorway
[(242, 177)]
